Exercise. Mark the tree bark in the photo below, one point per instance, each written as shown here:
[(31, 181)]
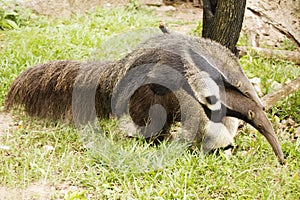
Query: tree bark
[(222, 21)]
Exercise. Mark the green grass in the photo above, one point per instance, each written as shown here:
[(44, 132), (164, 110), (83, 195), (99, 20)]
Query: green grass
[(121, 168)]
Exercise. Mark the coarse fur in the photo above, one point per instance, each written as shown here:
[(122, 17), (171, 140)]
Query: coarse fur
[(45, 90), (140, 81)]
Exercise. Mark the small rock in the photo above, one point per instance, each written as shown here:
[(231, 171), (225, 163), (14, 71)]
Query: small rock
[(166, 9), (275, 85), (48, 148), (152, 2)]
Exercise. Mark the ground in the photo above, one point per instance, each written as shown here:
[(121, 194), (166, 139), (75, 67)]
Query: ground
[(6, 123), (186, 13), (266, 22)]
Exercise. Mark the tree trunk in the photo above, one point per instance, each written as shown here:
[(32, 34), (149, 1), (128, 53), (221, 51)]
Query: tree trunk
[(222, 21)]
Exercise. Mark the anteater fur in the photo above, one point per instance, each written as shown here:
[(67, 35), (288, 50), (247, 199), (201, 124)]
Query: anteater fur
[(47, 90)]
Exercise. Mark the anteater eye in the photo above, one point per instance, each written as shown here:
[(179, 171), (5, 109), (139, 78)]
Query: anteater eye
[(211, 99)]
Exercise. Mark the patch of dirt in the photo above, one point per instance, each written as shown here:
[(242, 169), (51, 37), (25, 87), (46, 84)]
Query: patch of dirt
[(37, 190), (65, 8), (184, 12), (187, 14), (266, 22), (6, 124)]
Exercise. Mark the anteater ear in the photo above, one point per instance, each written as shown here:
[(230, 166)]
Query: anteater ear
[(163, 27), (251, 115)]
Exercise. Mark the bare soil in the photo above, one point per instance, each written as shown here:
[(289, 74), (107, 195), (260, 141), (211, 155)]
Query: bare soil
[(267, 22), (6, 124)]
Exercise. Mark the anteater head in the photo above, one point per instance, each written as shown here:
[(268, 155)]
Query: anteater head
[(242, 107)]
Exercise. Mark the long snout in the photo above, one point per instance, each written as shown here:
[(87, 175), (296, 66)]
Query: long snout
[(258, 119), (246, 109)]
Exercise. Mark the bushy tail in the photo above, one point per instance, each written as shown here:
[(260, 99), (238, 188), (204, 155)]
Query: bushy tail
[(45, 90)]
